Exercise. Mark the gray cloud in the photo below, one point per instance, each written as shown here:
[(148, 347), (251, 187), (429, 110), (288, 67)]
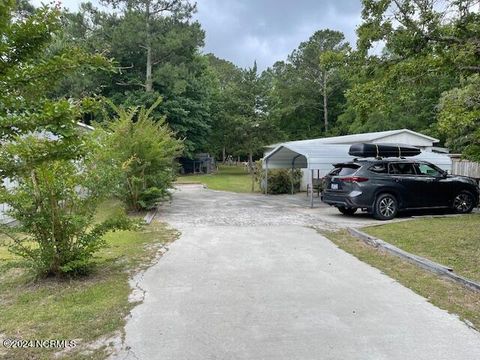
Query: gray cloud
[(266, 30)]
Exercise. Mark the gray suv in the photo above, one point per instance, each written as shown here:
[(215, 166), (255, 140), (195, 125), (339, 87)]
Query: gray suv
[(384, 187)]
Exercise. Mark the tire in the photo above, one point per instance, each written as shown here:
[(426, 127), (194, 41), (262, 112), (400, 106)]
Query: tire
[(463, 202), (386, 207), (347, 211)]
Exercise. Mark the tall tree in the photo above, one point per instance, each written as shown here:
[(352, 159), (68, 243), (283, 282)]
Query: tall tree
[(150, 11), (430, 47), (459, 118), (313, 59), (179, 73), (252, 128), (330, 62), (224, 109), (301, 86)]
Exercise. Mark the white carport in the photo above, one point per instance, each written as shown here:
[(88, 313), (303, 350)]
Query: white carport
[(318, 157), (305, 155)]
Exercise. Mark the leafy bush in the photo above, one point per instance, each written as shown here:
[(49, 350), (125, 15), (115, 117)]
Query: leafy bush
[(459, 118), (57, 181), (280, 181), (144, 151), (54, 203)]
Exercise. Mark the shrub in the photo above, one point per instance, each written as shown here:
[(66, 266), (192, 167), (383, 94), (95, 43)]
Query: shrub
[(144, 151), (280, 181), (57, 181), (54, 204)]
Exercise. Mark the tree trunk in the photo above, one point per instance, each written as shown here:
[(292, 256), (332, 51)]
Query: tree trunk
[(224, 155), (148, 45), (252, 172), (325, 101)]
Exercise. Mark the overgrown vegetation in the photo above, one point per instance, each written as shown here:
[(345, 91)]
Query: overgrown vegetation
[(144, 152), (281, 181), (440, 292), (53, 228), (57, 184), (84, 309)]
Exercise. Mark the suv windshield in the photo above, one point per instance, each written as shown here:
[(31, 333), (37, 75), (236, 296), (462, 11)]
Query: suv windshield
[(428, 169)]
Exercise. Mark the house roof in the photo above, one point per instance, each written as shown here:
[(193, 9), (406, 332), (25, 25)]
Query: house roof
[(365, 137), (356, 138)]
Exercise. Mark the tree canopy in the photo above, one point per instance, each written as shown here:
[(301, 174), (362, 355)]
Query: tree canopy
[(427, 69)]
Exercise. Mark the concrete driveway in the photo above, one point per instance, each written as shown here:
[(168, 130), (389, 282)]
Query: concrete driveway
[(248, 279)]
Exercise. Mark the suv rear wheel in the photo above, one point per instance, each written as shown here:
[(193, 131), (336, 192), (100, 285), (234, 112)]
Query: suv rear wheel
[(464, 202), (347, 211), (386, 207)]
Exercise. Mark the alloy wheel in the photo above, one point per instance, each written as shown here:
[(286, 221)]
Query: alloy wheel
[(387, 207), (462, 202)]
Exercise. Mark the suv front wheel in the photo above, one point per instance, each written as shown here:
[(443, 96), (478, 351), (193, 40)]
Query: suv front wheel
[(386, 207), (464, 202)]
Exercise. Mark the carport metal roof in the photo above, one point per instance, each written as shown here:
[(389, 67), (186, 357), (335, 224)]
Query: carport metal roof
[(311, 155)]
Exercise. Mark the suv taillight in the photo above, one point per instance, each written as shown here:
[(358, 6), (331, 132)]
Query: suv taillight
[(354, 179)]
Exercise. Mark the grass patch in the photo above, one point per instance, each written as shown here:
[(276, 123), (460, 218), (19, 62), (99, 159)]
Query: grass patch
[(442, 293), (83, 309), (228, 178), (451, 241)]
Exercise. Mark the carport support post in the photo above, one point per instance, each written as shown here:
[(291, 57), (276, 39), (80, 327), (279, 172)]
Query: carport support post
[(311, 189), (292, 175), (266, 177)]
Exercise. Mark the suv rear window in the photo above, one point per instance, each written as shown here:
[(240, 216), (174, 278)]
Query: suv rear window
[(401, 169), (344, 169), (379, 168)]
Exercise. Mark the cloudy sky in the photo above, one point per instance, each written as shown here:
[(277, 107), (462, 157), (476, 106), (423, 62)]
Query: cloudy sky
[(267, 30)]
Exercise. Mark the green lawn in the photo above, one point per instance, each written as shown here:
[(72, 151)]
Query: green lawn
[(452, 241), (228, 178), (84, 309), (441, 292)]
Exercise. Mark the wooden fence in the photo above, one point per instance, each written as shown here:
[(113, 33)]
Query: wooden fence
[(466, 168)]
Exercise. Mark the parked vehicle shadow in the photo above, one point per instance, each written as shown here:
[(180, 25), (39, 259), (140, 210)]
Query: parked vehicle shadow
[(402, 214)]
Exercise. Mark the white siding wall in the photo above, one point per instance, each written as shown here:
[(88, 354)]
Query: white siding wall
[(4, 207)]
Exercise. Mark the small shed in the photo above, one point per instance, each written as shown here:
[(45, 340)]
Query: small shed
[(202, 163)]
